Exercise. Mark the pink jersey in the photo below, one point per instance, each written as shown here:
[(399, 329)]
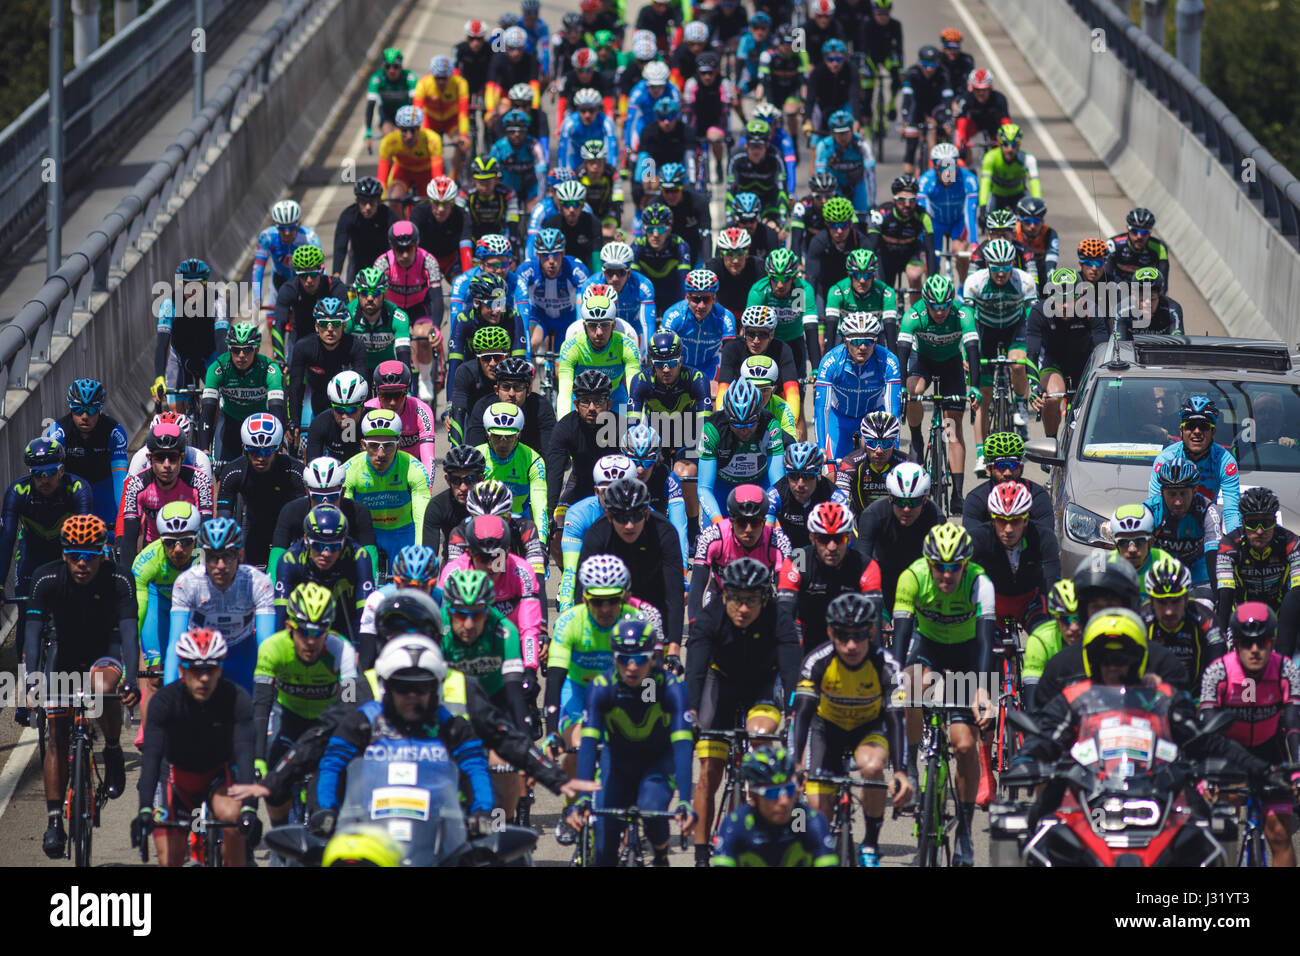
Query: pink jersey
[(516, 597), (1256, 702), (408, 289), (143, 498), (717, 547), (417, 438)]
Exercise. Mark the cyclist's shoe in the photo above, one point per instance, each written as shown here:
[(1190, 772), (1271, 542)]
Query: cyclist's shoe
[(565, 835), (56, 841), (987, 783), (964, 851), (139, 736), (1020, 414), (867, 856), (114, 772), (661, 858)]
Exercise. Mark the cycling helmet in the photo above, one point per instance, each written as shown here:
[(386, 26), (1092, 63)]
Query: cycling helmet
[(1061, 601), (782, 264), (672, 174), (324, 474), (861, 325), (804, 458), (1199, 407), (627, 494), (412, 658), (262, 430), (841, 121), (617, 255), (734, 238), (758, 130), (1257, 502), (407, 611), (409, 117), (1097, 575), (655, 74), (592, 382), (838, 209), (362, 846), (441, 67), (485, 167), (515, 38), (656, 214), (380, 424), (196, 270), (487, 287), (570, 191), (166, 436), (852, 611), (665, 346), (907, 480), (515, 369), (178, 518), (746, 574), (1031, 207), (980, 80), (928, 54), (598, 307), (1115, 634), (880, 426), (702, 280), (286, 213), (904, 184), (695, 32), (572, 20), (468, 589), (1003, 445), (86, 391), (610, 468), (1000, 219), (861, 261), (785, 35), (331, 308), (83, 531), (823, 184), (1178, 473), (325, 523), (760, 369), (766, 112), (833, 46), (586, 98), (311, 608), (1132, 521), (593, 149), (490, 497), (634, 636), (1150, 275), (746, 207), (938, 291), (747, 501), (758, 317), (503, 418), (392, 56), (947, 544), (1253, 619), (760, 19), (604, 575), (822, 8), (243, 335), (488, 536), (403, 235), (179, 419), (220, 534), (518, 120), (742, 404), (1093, 249), (550, 240), (370, 281), (490, 340), (1063, 280), (1140, 218), (644, 48), (558, 174), (641, 443), (768, 765), (1167, 578), (1010, 499), (666, 107), (464, 458), (1008, 134), (347, 388), (944, 154), (830, 517), (999, 252), (950, 37), (308, 259), (201, 645)]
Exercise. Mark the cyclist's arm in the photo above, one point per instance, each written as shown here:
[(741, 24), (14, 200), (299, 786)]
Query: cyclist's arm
[(264, 695), (418, 482)]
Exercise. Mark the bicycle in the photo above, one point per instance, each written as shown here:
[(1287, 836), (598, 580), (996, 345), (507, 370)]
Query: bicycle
[(632, 851), (548, 381), (205, 843), (936, 450), (841, 821), (732, 783), (1002, 401), (1007, 652), (879, 115), (87, 791), (934, 821), (523, 808), (186, 395)]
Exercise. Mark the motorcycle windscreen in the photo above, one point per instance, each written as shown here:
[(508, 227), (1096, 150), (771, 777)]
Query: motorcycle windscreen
[(1120, 736), (416, 801)]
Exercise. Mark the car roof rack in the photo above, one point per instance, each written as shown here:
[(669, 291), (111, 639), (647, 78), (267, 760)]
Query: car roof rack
[(1213, 351)]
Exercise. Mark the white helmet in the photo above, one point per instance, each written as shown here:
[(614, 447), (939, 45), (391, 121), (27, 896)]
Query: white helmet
[(1129, 520), (604, 572), (645, 49), (907, 480), (655, 74), (758, 317), (616, 254), (944, 154), (261, 430), (202, 645), (860, 324), (695, 32), (761, 370), (181, 421), (599, 308), (286, 213), (324, 474), (611, 468), (347, 388), (503, 418), (412, 657), (178, 518), (586, 97)]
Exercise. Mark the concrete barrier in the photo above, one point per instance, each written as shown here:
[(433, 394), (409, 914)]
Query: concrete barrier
[(1248, 272)]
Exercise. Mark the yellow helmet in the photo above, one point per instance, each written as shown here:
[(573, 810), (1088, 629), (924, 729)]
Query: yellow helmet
[(1112, 630), (363, 846)]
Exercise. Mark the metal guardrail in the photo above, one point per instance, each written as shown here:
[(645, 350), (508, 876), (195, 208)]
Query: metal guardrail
[(29, 337), (97, 96), (1272, 186)]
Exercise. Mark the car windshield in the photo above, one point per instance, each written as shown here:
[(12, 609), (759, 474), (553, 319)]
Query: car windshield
[(1129, 420)]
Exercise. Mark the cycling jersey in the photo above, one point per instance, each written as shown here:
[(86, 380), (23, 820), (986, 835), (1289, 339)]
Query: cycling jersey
[(781, 74), (635, 303), (665, 267), (1217, 472), (717, 546), (847, 392), (244, 613), (765, 179), (861, 482), (784, 403), (82, 623), (154, 577), (523, 167), (853, 166), (259, 389), (726, 461), (312, 367), (1126, 258), (808, 585), (618, 360), (195, 457), (604, 194), (938, 617), (1195, 642), (640, 113), (999, 306), (524, 473), (579, 653), (264, 494), (303, 689), (182, 352), (1055, 341), (796, 314), (1266, 705), (524, 542), (1244, 574), (445, 104), (40, 520), (279, 254), (1008, 181), (494, 659), (492, 212), (388, 95), (1022, 575), (951, 204), (417, 437), (417, 289), (550, 303), (939, 341), (386, 338), (701, 341), (413, 165), (350, 579), (573, 133), (986, 117), (746, 839), (143, 497), (295, 310), (898, 240), (850, 699), (1193, 539), (1046, 249), (449, 240), (396, 499)]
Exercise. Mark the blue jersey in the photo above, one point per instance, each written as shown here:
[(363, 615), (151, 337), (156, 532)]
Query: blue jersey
[(853, 167), (1219, 479), (746, 839), (100, 460), (523, 167), (640, 111), (636, 303), (950, 205), (549, 301), (847, 392), (280, 256), (1193, 539), (574, 132), (460, 290), (749, 50), (539, 42), (701, 341)]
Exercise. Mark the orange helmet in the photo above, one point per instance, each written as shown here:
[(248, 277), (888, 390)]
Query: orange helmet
[(83, 531), (950, 36), (1092, 248)]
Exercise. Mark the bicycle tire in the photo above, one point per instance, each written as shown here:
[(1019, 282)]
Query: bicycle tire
[(925, 822), (1000, 413), (1258, 851), (936, 465), (212, 847), (844, 846), (81, 815)]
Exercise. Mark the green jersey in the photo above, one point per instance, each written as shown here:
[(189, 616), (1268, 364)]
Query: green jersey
[(1040, 647), (396, 499), (944, 618), (243, 393), (580, 647), (741, 462), (388, 96), (496, 653), (784, 415), (154, 576), (305, 689), (794, 313), (996, 305), (1009, 180), (938, 341), (1155, 555), (618, 360), (524, 473), (382, 338), (879, 298)]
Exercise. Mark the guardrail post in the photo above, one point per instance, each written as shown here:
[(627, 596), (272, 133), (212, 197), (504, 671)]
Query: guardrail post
[(198, 44), (54, 174), (85, 29), (1153, 20), (1189, 16), (124, 11)]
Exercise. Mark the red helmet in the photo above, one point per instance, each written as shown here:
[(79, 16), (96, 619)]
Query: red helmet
[(475, 28), (201, 645), (980, 79), (829, 517), (1010, 499)]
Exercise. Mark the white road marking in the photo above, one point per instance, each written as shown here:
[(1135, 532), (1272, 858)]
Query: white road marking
[(15, 765)]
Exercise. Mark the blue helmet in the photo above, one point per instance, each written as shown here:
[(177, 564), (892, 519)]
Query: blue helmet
[(672, 174), (665, 346), (641, 443), (331, 308), (840, 120), (633, 636), (1200, 407), (415, 565), (325, 523), (558, 174), (803, 458), (550, 240), (193, 269), (666, 108), (746, 206), (86, 391), (833, 46), (1178, 473), (742, 403), (44, 453), (219, 534)]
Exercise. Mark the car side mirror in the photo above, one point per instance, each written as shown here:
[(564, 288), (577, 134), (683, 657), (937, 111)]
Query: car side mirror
[(1044, 451)]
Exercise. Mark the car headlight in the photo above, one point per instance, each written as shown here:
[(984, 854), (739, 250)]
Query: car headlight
[(1084, 526)]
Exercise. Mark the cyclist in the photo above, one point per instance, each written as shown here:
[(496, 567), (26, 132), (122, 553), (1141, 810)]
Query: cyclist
[(265, 478), (443, 98), (202, 727), (244, 383), (489, 307), (362, 228), (825, 258), (392, 381), (1133, 527), (944, 335), (772, 361), (854, 378), (660, 256), (982, 110), (390, 483), (744, 210), (302, 669), (944, 620), (741, 444), (745, 532), (574, 442), (1006, 459), (1001, 297), (1137, 247), (581, 515), (634, 293), (493, 206), (1001, 224), (463, 467), (1259, 561), (794, 304), (472, 56), (1149, 309), (833, 84), (493, 497), (1007, 173), (323, 477), (576, 220), (584, 76), (277, 244), (513, 383), (800, 490), (892, 530), (708, 99), (328, 556), (444, 227), (806, 222), (758, 169), (1185, 626), (1062, 329), (604, 189), (514, 63), (926, 87), (861, 475), (861, 291), (584, 122), (902, 235), (382, 327), (338, 433), (958, 63), (848, 157), (522, 161), (1062, 628), (949, 194), (521, 468), (637, 769), (692, 219), (143, 496), (1216, 465), (1040, 239), (597, 347), (1257, 685), (845, 703), (750, 48), (667, 140), (297, 299), (879, 38), (409, 157), (816, 573), (780, 72), (317, 359), (742, 650), (182, 352), (653, 459), (390, 88), (1186, 521), (701, 321)]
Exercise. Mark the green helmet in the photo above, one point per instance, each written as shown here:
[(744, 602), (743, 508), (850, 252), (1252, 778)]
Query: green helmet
[(837, 209), (311, 608), (392, 55), (244, 334), (782, 264), (490, 338), (938, 291), (1000, 219), (758, 129), (370, 281), (1003, 445), (1008, 134), (1063, 279), (308, 259), (467, 590), (861, 260), (947, 544), (999, 252)]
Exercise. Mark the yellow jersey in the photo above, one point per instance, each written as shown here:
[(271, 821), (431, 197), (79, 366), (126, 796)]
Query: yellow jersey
[(421, 161), (445, 105)]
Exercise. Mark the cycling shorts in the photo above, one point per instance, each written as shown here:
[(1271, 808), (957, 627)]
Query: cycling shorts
[(1274, 753), (184, 791), (1070, 369), (573, 701), (959, 659), (417, 183), (828, 745), (843, 432), (110, 661), (1008, 338), (723, 700), (894, 262), (282, 729), (947, 375), (953, 230)]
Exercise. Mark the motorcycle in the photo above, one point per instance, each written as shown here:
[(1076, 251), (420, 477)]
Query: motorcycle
[(1126, 797)]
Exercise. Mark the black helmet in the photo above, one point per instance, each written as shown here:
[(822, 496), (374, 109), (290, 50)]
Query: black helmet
[(1258, 501), (627, 494), (1253, 619), (368, 187), (746, 574), (464, 458), (1099, 575), (1033, 207), (592, 382), (904, 184), (1140, 218), (634, 636), (853, 611), (408, 611), (928, 54), (487, 535), (823, 184), (485, 287), (515, 369), (44, 452), (747, 501)]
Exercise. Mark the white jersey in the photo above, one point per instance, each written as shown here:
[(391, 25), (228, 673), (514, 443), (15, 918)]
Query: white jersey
[(233, 611)]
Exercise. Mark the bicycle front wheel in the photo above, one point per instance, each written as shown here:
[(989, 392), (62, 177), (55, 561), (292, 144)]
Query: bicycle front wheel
[(1000, 413), (937, 467), (927, 834), (81, 816), (844, 847)]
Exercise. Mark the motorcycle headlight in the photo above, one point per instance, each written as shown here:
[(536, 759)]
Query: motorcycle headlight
[(1084, 526)]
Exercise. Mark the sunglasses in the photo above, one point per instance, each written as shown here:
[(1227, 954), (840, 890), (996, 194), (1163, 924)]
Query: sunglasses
[(1011, 519), (1125, 543), (743, 598), (1092, 263), (372, 445), (329, 323), (758, 335), (947, 567), (325, 497), (1200, 425), (1030, 220), (179, 542), (171, 457), (200, 669), (851, 637), (668, 365), (550, 256), (929, 64), (602, 326), (699, 299), (776, 793), (86, 409), (908, 502), (1259, 526), (1067, 619), (829, 538), (628, 517), (743, 522), (347, 409), (631, 660), (1244, 641), (656, 230), (1007, 464), (586, 110), (212, 556), (468, 612), (801, 475), (46, 471), (492, 357), (879, 444), (326, 547), (835, 59), (1139, 232), (1000, 270), (837, 226), (572, 204), (860, 343), (243, 349), (667, 188), (614, 271), (255, 452), (605, 601), (83, 554), (861, 276), (734, 253)]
